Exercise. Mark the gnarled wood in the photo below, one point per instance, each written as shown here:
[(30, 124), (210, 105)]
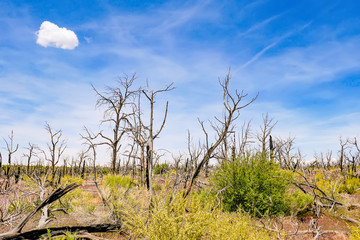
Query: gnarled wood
[(57, 194), (36, 234)]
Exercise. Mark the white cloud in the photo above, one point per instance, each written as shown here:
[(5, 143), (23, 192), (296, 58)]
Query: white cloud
[(50, 35)]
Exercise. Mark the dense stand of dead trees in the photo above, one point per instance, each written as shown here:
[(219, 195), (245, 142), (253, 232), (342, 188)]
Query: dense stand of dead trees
[(123, 112)]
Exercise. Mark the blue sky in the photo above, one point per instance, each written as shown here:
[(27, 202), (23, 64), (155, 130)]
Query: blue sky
[(302, 57)]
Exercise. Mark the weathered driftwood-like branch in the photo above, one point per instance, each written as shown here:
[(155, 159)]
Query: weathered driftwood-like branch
[(57, 194), (36, 234), (317, 192), (352, 220)]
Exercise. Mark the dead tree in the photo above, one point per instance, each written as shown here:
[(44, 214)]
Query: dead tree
[(328, 159), (117, 102), (82, 232), (244, 138), (89, 142), (130, 154), (81, 156), (139, 134), (57, 194), (232, 105), (343, 146), (56, 148), (11, 149), (152, 134), (322, 199), (265, 131), (356, 158), (284, 152), (31, 153), (194, 152)]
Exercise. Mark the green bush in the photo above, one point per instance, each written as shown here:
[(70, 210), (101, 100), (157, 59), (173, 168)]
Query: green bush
[(161, 168), (330, 184), (67, 179), (298, 202), (350, 185), (254, 184), (157, 187), (189, 218), (116, 181), (355, 232)]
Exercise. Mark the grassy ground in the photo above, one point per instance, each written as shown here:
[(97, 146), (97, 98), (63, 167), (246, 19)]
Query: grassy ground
[(85, 207)]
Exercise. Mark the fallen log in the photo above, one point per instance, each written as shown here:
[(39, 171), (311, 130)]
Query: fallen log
[(38, 233), (57, 194)]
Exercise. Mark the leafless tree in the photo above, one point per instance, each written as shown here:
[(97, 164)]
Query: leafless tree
[(265, 130), (82, 155), (11, 149), (31, 153), (57, 194), (244, 138), (56, 148), (139, 134), (226, 147), (328, 159), (153, 134), (232, 105), (130, 154), (194, 152), (343, 146), (355, 156), (89, 139), (284, 152), (117, 102)]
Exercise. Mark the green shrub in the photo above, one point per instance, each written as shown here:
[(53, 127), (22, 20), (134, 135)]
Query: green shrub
[(330, 184), (355, 232), (189, 218), (350, 185), (161, 168), (298, 202), (205, 196), (67, 179), (68, 236), (157, 187), (254, 184), (116, 181)]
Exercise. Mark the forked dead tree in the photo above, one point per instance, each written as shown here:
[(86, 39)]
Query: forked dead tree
[(194, 152), (232, 103), (56, 148), (139, 134), (11, 149), (284, 152), (89, 138), (244, 138), (31, 153), (152, 133), (344, 144), (118, 102), (355, 156), (265, 131)]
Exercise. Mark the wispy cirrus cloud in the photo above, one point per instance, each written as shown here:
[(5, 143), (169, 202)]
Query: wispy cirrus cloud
[(308, 65)]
